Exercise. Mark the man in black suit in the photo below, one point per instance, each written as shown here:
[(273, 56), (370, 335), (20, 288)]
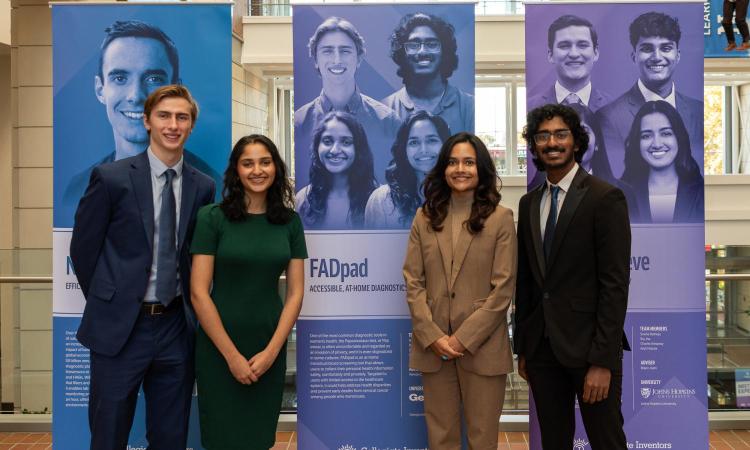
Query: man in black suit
[(573, 47), (572, 287), (130, 251), (655, 38)]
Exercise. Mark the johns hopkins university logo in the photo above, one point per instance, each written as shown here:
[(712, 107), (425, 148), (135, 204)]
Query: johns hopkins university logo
[(580, 444), (645, 392)]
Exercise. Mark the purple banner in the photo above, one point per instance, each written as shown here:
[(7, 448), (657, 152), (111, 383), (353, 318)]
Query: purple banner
[(636, 74)]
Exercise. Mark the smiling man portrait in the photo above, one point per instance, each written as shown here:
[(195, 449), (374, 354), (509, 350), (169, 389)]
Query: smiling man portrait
[(655, 40), (135, 59), (337, 50), (573, 48), (424, 48)]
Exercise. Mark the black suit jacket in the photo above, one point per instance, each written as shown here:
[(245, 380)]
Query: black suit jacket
[(579, 297), (112, 246), (689, 204)]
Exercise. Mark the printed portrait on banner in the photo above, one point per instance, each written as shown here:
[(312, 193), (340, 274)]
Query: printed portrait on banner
[(631, 77), (374, 100), (110, 68)]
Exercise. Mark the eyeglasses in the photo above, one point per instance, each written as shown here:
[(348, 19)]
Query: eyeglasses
[(544, 136), (430, 45)]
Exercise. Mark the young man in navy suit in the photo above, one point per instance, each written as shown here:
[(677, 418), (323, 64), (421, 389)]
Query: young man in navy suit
[(130, 250), (572, 287)]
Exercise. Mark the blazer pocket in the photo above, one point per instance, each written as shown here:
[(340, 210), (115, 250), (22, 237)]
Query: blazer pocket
[(587, 305), (102, 290)]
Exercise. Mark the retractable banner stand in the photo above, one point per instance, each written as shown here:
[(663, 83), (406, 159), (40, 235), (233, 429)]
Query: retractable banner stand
[(714, 34), (98, 108), (623, 54), (356, 68)]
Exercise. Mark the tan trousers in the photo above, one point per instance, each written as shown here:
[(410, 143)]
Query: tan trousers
[(482, 398)]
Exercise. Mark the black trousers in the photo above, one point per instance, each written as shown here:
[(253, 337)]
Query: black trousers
[(555, 388), (738, 7)]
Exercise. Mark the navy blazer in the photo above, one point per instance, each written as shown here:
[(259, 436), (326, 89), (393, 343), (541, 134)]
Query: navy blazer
[(617, 117), (112, 246), (596, 100)]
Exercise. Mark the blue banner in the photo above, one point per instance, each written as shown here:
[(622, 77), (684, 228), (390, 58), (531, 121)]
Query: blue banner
[(714, 36), (98, 119), (362, 146), (614, 66)]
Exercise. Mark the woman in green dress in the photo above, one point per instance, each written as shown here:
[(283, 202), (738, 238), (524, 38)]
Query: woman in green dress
[(240, 248)]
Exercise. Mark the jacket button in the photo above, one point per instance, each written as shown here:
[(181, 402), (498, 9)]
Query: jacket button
[(453, 295), (546, 296)]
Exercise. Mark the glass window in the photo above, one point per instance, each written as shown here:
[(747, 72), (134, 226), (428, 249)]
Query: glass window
[(714, 127), (490, 124), (727, 326), (521, 152)]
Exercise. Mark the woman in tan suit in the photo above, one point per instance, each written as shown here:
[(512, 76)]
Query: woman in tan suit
[(460, 273)]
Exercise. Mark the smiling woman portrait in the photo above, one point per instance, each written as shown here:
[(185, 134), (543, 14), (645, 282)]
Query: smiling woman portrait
[(341, 175), (662, 182), (460, 274), (415, 152), (240, 248)]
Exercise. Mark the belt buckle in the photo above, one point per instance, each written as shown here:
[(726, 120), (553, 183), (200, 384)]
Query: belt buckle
[(153, 309)]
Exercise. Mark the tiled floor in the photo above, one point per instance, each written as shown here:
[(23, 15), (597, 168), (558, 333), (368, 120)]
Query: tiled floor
[(720, 440)]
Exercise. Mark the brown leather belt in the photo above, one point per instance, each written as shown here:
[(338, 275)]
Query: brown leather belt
[(158, 308)]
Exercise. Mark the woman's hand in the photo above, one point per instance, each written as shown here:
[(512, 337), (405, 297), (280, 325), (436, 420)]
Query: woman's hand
[(443, 350), (261, 362), (240, 368)]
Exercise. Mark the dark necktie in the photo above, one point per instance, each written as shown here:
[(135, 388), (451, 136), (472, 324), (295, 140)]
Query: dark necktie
[(166, 265), (549, 229)]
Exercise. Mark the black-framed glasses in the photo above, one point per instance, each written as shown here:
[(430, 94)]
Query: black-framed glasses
[(544, 136), (430, 45)]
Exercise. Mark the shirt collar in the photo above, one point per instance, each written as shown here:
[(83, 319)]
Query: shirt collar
[(651, 96), (158, 167), (450, 96), (352, 106), (567, 180), (584, 93)]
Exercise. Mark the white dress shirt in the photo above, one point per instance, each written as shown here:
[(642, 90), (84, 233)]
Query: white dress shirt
[(652, 96), (584, 94), (544, 205)]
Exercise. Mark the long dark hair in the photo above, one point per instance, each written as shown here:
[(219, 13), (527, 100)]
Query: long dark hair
[(438, 193), (636, 169), (399, 174), (280, 196), (361, 177)]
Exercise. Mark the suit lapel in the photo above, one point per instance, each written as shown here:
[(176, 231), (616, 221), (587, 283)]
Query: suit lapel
[(140, 176), (551, 95), (635, 100), (573, 197), (189, 192), (462, 248), (446, 249), (536, 230)]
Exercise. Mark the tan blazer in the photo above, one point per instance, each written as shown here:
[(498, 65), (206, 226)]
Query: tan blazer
[(473, 303)]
